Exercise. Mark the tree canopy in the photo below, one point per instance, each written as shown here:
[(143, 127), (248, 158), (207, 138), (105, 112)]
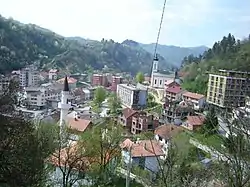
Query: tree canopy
[(140, 77)]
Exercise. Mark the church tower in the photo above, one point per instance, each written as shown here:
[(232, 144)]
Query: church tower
[(64, 105), (155, 64)]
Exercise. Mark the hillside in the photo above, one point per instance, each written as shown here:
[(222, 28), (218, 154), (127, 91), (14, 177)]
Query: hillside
[(174, 54), (23, 44), (229, 54)]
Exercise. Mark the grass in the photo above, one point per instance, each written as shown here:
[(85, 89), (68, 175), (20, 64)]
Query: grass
[(214, 141), (182, 143)]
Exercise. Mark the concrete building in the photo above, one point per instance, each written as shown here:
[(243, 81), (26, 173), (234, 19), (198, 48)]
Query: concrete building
[(100, 80), (198, 100), (39, 97), (125, 118), (227, 88), (158, 78), (115, 81), (131, 96), (4, 83), (29, 77), (174, 93), (53, 74), (143, 122)]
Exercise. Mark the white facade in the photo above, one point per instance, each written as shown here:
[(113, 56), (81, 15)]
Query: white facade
[(132, 96), (87, 94), (53, 74), (158, 79), (37, 97), (198, 103), (28, 77)]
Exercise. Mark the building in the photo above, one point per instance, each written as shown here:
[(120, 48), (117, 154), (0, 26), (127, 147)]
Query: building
[(29, 77), (53, 74), (164, 133), (4, 83), (38, 97), (227, 88), (79, 95), (131, 96), (171, 83), (143, 122), (144, 153), (158, 78), (175, 112), (71, 82), (125, 119), (115, 81), (100, 80), (193, 122), (198, 100), (174, 93)]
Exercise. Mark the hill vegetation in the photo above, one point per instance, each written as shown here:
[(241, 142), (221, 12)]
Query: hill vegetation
[(229, 54), (24, 44)]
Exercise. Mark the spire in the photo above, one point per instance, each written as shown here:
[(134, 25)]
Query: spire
[(66, 85), (156, 57)]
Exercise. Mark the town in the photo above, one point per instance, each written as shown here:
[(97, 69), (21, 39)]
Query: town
[(154, 112)]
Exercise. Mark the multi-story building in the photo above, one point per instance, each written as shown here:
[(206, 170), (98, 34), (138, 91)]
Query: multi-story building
[(4, 83), (99, 80), (53, 74), (28, 77), (227, 88), (37, 97), (198, 100), (143, 122), (115, 81), (131, 96), (174, 93)]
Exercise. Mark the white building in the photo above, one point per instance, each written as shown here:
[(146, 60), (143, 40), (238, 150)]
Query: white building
[(53, 74), (37, 97), (158, 79), (28, 77), (198, 100), (131, 96)]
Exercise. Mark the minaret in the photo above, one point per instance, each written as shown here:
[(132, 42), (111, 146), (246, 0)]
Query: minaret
[(64, 105)]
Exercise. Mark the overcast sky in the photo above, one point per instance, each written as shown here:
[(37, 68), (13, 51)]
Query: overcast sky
[(186, 22)]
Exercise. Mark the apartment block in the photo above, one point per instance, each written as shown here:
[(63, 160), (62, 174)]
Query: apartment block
[(100, 80), (28, 77), (115, 81), (227, 88), (131, 96)]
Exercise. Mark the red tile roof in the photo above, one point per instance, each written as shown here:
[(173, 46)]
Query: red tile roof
[(167, 131), (78, 124), (127, 112), (174, 89), (71, 80), (193, 95), (144, 148), (195, 120)]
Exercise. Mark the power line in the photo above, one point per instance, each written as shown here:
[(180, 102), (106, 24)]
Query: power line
[(158, 35)]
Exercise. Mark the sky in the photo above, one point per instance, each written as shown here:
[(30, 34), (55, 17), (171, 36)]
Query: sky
[(186, 22)]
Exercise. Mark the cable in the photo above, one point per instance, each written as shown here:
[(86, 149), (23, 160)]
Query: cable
[(158, 35)]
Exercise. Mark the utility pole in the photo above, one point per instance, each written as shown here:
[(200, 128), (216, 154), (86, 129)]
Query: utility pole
[(128, 168)]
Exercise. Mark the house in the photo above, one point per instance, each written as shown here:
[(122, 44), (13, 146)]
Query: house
[(164, 133), (79, 95), (174, 93), (53, 74), (142, 122), (71, 81), (144, 153), (125, 119), (193, 122), (198, 100), (171, 83), (175, 111), (86, 94)]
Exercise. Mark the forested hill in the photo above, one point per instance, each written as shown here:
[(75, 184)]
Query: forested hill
[(229, 53), (23, 44)]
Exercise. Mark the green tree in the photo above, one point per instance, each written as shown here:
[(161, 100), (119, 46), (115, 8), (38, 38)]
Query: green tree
[(114, 104), (23, 148), (140, 77), (211, 123), (99, 96)]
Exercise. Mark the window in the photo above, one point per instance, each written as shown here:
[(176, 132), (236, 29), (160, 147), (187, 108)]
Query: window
[(160, 82), (155, 81)]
